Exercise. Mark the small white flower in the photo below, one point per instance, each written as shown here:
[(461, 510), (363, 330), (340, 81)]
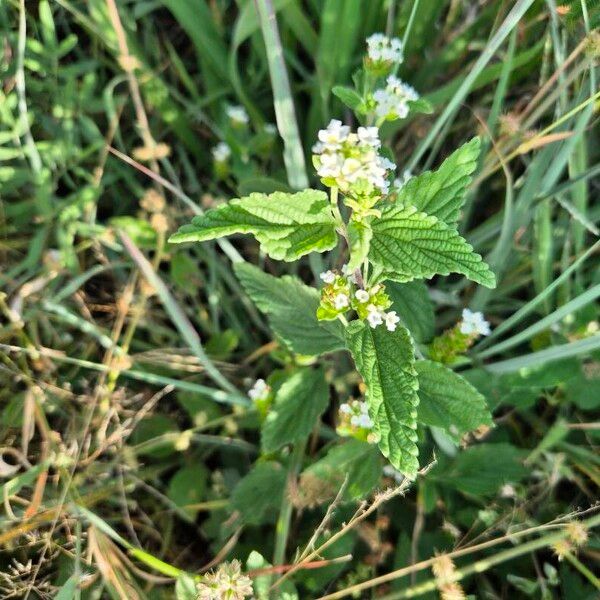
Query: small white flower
[(259, 391), (238, 115), (270, 128), (391, 320), (507, 491), (330, 165), (374, 316), (474, 323), (369, 136), (392, 101), (351, 275), (341, 301), (382, 48), (346, 409), (334, 135), (362, 296), (221, 152), (365, 421), (328, 276)]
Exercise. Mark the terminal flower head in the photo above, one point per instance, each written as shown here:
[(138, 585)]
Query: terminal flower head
[(392, 102)]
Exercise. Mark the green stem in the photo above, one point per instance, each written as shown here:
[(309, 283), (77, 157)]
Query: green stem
[(583, 570), (487, 563), (285, 513)]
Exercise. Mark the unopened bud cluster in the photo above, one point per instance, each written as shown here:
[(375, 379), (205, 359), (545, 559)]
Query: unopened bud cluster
[(341, 294)]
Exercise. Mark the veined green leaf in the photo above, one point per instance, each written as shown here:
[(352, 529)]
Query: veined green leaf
[(385, 361), (348, 96), (449, 401), (359, 239), (287, 226), (292, 310), (441, 193), (299, 402), (257, 496), (414, 245)]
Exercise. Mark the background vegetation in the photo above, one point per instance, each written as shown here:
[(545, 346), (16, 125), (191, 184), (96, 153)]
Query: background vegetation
[(127, 439)]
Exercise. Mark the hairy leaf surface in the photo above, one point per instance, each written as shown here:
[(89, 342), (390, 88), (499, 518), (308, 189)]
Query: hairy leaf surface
[(411, 301), (291, 307), (449, 401), (415, 245), (385, 361), (287, 226), (441, 193), (299, 402)]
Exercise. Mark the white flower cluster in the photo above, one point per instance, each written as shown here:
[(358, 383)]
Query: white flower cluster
[(259, 391), (357, 414), (474, 323), (221, 152), (392, 101), (381, 48), (227, 581), (238, 115), (376, 317), (351, 161)]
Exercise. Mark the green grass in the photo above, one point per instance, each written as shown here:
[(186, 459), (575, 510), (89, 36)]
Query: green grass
[(125, 361)]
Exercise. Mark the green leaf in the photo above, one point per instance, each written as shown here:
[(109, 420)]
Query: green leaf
[(287, 226), (357, 460), (359, 240), (385, 360), (415, 245), (69, 589), (411, 301), (188, 486), (449, 401), (422, 105), (348, 96), (291, 307), (442, 193), (258, 495), (298, 404), (481, 470), (185, 588)]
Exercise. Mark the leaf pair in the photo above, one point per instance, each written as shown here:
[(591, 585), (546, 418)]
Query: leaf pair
[(287, 226)]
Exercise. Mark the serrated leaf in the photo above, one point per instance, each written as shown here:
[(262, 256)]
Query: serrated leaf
[(385, 360), (287, 226), (291, 307), (411, 301), (258, 495), (441, 193), (357, 460), (359, 240), (449, 401), (348, 96), (415, 245), (298, 404)]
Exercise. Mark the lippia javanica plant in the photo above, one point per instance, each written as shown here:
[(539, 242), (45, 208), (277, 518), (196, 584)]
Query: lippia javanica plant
[(388, 231)]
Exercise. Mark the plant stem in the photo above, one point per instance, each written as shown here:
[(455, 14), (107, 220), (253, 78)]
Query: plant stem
[(285, 513), (583, 570)]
